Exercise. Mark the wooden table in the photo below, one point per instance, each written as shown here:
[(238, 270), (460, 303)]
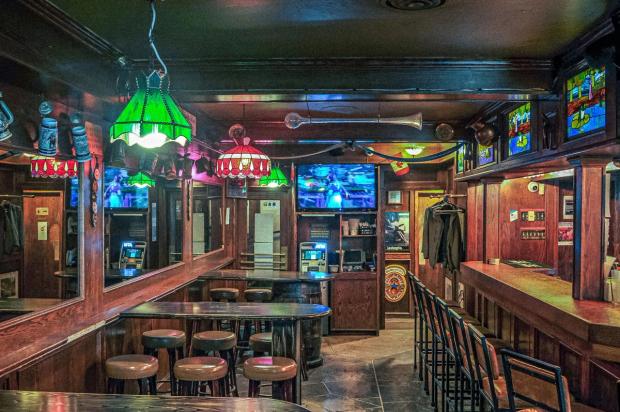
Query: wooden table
[(285, 317), (26, 401), (288, 286)]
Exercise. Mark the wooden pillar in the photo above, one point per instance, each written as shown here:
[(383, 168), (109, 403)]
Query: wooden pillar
[(589, 219), (491, 227)]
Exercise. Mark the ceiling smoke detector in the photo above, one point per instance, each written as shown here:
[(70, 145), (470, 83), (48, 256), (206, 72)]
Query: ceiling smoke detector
[(412, 5)]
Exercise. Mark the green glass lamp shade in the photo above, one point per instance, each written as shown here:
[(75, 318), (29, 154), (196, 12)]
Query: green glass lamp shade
[(141, 179), (152, 118), (275, 179)]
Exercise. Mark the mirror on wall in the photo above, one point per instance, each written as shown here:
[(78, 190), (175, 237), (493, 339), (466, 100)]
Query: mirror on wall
[(612, 233), (39, 247), (206, 218), (143, 222)]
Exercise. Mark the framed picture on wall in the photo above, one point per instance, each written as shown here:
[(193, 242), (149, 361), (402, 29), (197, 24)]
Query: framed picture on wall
[(9, 285), (394, 197), (585, 102), (568, 207), (396, 232)]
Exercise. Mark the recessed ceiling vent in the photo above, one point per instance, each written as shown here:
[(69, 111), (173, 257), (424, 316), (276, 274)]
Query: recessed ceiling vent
[(412, 5)]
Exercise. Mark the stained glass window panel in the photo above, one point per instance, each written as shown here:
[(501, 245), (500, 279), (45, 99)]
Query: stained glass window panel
[(585, 102), (519, 130), (486, 155)]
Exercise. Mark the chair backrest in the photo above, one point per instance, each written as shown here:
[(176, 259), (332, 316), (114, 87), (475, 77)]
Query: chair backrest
[(486, 365), (421, 301), (536, 382), (445, 326), (461, 341), (411, 281), (430, 310)]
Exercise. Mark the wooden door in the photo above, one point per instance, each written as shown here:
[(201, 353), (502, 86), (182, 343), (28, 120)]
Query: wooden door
[(43, 244)]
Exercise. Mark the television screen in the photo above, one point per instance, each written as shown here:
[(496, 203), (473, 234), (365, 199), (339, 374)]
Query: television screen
[(336, 187), (585, 102), (118, 194), (75, 187), (519, 130)]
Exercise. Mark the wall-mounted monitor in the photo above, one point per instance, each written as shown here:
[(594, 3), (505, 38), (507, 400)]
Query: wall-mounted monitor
[(336, 187), (118, 194), (520, 130), (585, 102)]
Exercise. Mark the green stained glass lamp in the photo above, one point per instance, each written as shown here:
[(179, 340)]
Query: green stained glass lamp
[(141, 179), (152, 118), (276, 178)]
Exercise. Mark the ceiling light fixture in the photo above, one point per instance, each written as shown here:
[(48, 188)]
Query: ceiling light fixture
[(141, 179), (243, 160), (276, 178), (152, 118)]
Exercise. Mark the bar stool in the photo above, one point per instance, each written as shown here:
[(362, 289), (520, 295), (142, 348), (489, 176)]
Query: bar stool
[(275, 369), (229, 295), (220, 343), (538, 383), (260, 343), (141, 368), (257, 295), (195, 371), (172, 341)]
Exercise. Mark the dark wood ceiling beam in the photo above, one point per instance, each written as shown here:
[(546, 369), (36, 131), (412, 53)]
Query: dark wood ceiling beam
[(193, 79)]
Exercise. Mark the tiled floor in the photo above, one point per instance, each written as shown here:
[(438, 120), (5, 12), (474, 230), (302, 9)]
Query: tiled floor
[(367, 373)]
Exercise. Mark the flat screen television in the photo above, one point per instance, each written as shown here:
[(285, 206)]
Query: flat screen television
[(336, 187), (117, 193)]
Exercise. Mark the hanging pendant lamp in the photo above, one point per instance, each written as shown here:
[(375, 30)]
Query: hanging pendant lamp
[(41, 166), (141, 179), (152, 118), (276, 178), (244, 160)]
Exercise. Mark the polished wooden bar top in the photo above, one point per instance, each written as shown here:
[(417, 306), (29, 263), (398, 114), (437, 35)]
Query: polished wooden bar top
[(22, 401), (546, 303), (26, 305), (266, 274), (224, 310)]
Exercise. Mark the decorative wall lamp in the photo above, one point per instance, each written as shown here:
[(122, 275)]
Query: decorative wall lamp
[(152, 118), (6, 119)]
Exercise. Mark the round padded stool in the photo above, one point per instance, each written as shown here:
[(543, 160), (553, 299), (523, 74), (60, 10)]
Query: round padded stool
[(220, 343), (141, 368), (255, 295), (224, 294), (169, 339), (260, 343), (258, 295), (275, 369), (193, 372)]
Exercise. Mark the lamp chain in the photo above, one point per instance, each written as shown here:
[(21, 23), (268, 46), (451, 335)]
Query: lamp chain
[(152, 41)]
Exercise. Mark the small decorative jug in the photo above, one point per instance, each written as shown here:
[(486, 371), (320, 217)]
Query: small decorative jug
[(48, 132), (80, 139), (6, 119)]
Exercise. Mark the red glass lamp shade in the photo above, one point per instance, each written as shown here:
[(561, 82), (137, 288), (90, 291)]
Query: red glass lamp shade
[(243, 161), (50, 167)]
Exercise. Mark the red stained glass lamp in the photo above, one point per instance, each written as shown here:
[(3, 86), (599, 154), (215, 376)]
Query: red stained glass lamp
[(243, 161), (50, 167)]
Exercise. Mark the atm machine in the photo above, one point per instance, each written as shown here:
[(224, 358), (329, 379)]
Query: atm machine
[(313, 258), (132, 254)]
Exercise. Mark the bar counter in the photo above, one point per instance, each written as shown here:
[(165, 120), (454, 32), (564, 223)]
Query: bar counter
[(546, 303), (267, 275)]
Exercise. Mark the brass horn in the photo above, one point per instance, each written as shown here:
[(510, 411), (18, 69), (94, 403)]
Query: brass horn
[(294, 120)]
